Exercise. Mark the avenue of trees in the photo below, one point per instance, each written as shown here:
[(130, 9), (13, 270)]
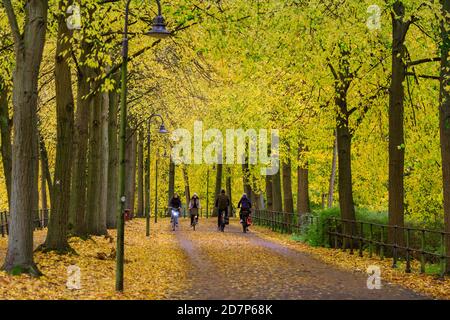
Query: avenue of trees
[(363, 113)]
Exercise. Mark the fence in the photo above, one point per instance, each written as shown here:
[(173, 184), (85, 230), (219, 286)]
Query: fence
[(40, 220), (399, 243)]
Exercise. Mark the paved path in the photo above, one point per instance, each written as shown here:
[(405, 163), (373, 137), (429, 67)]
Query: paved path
[(234, 265)]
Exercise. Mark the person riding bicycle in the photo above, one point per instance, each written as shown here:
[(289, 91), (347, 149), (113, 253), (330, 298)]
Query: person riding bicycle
[(175, 203), (245, 205), (222, 204), (194, 206)]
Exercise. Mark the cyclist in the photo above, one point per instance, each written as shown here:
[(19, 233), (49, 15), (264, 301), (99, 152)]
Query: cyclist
[(194, 206), (222, 204), (175, 204), (245, 205)]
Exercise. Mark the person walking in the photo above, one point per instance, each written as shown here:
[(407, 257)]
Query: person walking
[(222, 204), (194, 206)]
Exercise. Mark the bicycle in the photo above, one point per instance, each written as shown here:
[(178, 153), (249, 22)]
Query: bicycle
[(174, 218), (195, 222)]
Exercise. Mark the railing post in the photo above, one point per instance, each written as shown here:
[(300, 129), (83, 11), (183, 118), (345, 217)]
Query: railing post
[(371, 241), (351, 237), (361, 239), (422, 252), (382, 243), (6, 223), (442, 258), (408, 258), (335, 233), (394, 258)]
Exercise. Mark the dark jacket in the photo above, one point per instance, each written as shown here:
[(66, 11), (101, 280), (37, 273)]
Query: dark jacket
[(175, 203), (222, 202)]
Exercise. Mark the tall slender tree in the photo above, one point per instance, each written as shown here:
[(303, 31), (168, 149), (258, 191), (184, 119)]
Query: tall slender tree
[(28, 46), (57, 229)]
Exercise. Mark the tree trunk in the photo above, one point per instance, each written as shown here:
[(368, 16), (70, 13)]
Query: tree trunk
[(44, 202), (444, 101), (140, 181), (287, 187), (187, 191), (277, 203), (5, 132), (29, 47), (43, 156), (246, 180), (57, 229), (104, 164), (229, 190), (269, 193), (302, 185), (113, 158), (78, 197), (218, 186), (171, 190), (94, 167), (396, 110), (130, 169), (345, 173), (333, 172)]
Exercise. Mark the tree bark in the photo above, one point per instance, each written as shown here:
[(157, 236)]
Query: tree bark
[(57, 229), (29, 47), (269, 193), (43, 156), (140, 180), (345, 173), (229, 190), (78, 198), (333, 172), (44, 202), (94, 167), (130, 165), (287, 187), (218, 186), (187, 190), (276, 192), (113, 158), (246, 180), (444, 115), (5, 132), (171, 190), (302, 185), (104, 164), (396, 113)]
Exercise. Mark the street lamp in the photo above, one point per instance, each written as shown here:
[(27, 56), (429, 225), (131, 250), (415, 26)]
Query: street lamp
[(162, 130), (158, 31)]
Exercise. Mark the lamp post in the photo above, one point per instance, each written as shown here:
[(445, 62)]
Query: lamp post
[(158, 31), (162, 130)]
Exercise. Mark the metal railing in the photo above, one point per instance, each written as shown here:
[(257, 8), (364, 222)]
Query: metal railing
[(40, 220), (405, 244)]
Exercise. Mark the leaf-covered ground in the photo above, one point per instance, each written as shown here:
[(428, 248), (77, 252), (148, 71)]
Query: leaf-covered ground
[(233, 265), (151, 266), (424, 283), (207, 264)]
